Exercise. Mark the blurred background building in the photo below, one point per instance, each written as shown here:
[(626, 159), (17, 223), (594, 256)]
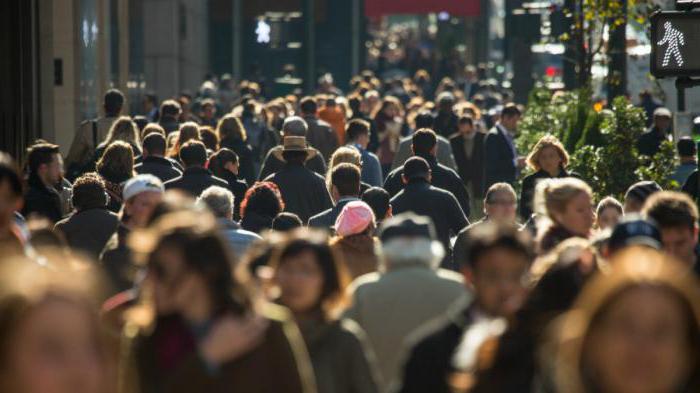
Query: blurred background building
[(61, 55)]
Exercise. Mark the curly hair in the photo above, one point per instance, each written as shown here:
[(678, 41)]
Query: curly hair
[(264, 198)]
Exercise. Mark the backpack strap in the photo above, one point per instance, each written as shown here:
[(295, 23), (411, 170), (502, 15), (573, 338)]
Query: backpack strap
[(94, 133)]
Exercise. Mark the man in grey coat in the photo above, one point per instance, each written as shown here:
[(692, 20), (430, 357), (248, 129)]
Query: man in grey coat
[(219, 201), (408, 291)]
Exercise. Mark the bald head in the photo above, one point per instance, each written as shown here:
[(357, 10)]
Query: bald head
[(294, 126)]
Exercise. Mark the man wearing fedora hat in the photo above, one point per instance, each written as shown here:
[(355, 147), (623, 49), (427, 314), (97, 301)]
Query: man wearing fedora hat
[(292, 126), (303, 191)]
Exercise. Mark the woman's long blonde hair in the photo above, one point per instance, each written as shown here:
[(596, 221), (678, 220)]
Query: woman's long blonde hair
[(187, 132), (230, 126), (344, 154), (123, 129)]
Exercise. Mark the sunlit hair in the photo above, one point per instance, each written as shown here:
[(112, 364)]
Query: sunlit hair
[(553, 195), (117, 162), (631, 269), (547, 141), (343, 154), (264, 198), (152, 128), (26, 286), (498, 189), (188, 131), (231, 127), (608, 202), (123, 129), (335, 277)]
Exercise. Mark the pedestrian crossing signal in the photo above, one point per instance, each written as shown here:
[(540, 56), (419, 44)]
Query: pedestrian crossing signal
[(675, 44)]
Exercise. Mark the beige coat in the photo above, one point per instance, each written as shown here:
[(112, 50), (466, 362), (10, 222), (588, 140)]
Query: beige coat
[(82, 149), (390, 306)]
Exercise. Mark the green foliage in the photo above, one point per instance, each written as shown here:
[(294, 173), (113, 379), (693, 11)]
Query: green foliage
[(615, 165), (602, 144), (563, 115), (660, 167)]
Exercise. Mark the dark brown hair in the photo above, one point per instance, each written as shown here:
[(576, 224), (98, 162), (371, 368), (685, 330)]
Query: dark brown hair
[(335, 278)]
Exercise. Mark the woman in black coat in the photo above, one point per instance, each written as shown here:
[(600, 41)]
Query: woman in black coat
[(549, 160), (232, 135)]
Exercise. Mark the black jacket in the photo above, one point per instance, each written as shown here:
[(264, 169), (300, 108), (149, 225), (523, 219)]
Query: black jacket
[(245, 158), (160, 167), (195, 180), (429, 362), (89, 230), (442, 177), (117, 261), (527, 192), (41, 200), (256, 222), (327, 218), (470, 169), (441, 206), (499, 159), (238, 188), (303, 191), (445, 123), (272, 164), (650, 141)]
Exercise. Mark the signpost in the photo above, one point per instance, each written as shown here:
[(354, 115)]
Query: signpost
[(675, 47)]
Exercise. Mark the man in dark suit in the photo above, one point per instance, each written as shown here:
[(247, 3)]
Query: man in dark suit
[(196, 178), (421, 198), (292, 126), (345, 188), (303, 191), (424, 144), (154, 161), (468, 149), (502, 161)]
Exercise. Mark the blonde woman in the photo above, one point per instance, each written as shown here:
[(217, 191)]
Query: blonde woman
[(188, 131), (565, 210), (123, 129), (345, 154), (548, 159)]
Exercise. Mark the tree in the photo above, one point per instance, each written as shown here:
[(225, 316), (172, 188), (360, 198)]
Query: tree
[(585, 42)]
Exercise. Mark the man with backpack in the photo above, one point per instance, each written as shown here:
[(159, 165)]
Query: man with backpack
[(90, 133)]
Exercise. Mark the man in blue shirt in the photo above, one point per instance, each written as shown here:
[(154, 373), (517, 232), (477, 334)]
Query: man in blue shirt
[(357, 135)]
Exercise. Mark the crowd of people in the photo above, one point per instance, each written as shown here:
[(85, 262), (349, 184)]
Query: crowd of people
[(387, 239)]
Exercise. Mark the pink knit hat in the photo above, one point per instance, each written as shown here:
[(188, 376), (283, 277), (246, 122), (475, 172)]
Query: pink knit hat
[(355, 217)]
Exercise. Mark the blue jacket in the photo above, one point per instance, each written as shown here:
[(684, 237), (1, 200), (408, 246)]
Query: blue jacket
[(238, 239), (371, 169)]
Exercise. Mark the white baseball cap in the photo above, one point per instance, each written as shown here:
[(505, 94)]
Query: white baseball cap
[(140, 184)]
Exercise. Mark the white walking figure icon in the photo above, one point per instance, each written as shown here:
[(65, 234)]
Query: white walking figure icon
[(673, 38), (263, 32)]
